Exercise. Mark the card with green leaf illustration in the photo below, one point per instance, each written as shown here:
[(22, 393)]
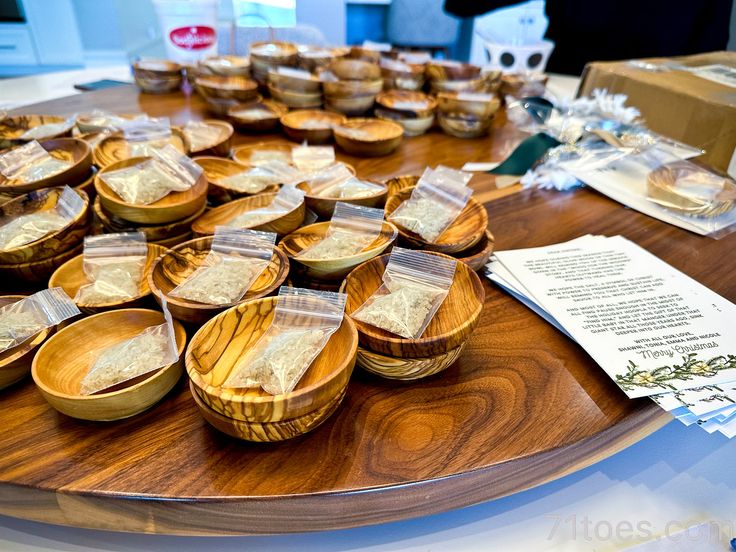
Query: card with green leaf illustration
[(708, 398), (652, 328)]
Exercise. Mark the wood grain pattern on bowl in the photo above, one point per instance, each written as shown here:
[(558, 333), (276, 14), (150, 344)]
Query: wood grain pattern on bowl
[(413, 126), (218, 347), (88, 184), (348, 88), (297, 100), (480, 105), (310, 57), (408, 102), (451, 70), (477, 257), (218, 168), (158, 76), (355, 69), (224, 140), (51, 244), (465, 231), (172, 207), (58, 373), (172, 268), (313, 125), (255, 154), (325, 206), (115, 148), (273, 51), (70, 277), (406, 369), (351, 106), (461, 125), (294, 82), (227, 66), (399, 183), (241, 89), (33, 273), (260, 116), (14, 126), (368, 137)]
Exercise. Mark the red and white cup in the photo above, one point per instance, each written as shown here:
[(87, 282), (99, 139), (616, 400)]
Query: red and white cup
[(189, 28)]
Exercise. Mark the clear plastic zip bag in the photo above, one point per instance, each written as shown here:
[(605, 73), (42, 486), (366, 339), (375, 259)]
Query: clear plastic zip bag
[(352, 229), (236, 260), (201, 135), (312, 158), (259, 177), (49, 130), (287, 199), (302, 324), (146, 134), (30, 163), (17, 231), (414, 286), (23, 319), (153, 348), (104, 119), (114, 266)]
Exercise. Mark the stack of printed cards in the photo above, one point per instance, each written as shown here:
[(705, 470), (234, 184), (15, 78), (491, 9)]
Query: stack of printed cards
[(655, 331)]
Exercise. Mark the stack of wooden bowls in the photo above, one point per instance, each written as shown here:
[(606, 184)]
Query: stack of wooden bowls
[(158, 76), (216, 351), (13, 129), (296, 88), (466, 114), (257, 116), (401, 75), (456, 76), (412, 110), (226, 66), (222, 93), (312, 57), (351, 86), (265, 56)]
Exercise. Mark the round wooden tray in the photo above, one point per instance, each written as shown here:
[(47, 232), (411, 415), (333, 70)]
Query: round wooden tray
[(522, 406)]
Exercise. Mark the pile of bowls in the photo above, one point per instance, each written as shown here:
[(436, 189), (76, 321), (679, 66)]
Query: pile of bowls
[(456, 76), (311, 57), (223, 93), (412, 110), (265, 56), (13, 129), (401, 75), (226, 66), (296, 88), (158, 76), (351, 86), (466, 114)]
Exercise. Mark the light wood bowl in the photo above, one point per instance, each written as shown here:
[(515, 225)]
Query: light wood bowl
[(478, 105), (224, 142), (325, 206), (338, 268), (403, 82), (218, 346), (227, 66), (173, 207), (450, 327), (313, 125), (461, 125), (70, 277), (376, 137), (477, 257), (352, 106), (62, 362), (13, 127), (481, 84), (273, 52), (88, 184), (246, 155), (464, 232), (349, 88), (218, 168), (37, 272), (241, 89), (273, 111), (296, 100), (72, 150), (399, 183), (412, 126), (51, 244), (177, 265), (422, 105), (15, 363), (523, 85), (295, 83), (406, 369), (355, 69), (115, 148), (158, 76), (444, 70), (311, 57)]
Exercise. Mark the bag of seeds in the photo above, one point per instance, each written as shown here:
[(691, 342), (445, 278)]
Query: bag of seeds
[(49, 130), (258, 178), (312, 158), (104, 119), (114, 265), (202, 135), (352, 229), (153, 348), (336, 181), (302, 324), (414, 286), (29, 163), (17, 231), (235, 261), (146, 134), (166, 171), (23, 319), (287, 199)]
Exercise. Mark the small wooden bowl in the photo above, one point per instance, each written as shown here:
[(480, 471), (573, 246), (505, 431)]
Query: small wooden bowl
[(61, 363), (173, 241), (408, 103), (273, 53), (311, 57), (173, 207), (51, 244), (399, 183), (296, 100), (450, 327), (314, 126), (37, 272), (349, 88), (261, 116), (158, 76), (325, 206), (464, 126), (70, 277), (88, 184), (219, 345), (255, 154), (224, 141), (355, 69), (294, 82), (177, 265), (218, 168), (72, 150), (445, 70), (115, 148), (219, 107), (366, 54), (412, 126), (86, 124), (477, 257), (465, 231), (479, 105), (338, 268), (368, 137), (241, 89), (480, 84), (15, 363), (227, 66), (352, 106), (406, 369), (12, 128)]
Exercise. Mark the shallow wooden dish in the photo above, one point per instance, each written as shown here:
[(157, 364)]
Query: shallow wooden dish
[(478, 105), (297, 100), (408, 103), (368, 137), (273, 52), (51, 244), (218, 346), (254, 154), (450, 327), (285, 224), (337, 268), (365, 54), (481, 84), (37, 272), (412, 126), (451, 70), (313, 125), (172, 268), (245, 117), (355, 69), (218, 168), (13, 127), (295, 83), (241, 89), (464, 232), (115, 148), (325, 206), (158, 76), (406, 369), (15, 363), (227, 66), (58, 372), (72, 150), (477, 257), (461, 125), (171, 208), (222, 146), (70, 277), (348, 88), (351, 106)]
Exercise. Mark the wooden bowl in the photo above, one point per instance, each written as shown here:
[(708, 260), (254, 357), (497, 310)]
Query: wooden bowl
[(115, 148), (477, 257), (177, 265), (520, 85), (241, 89), (465, 231), (87, 125), (88, 184), (365, 54), (273, 52), (72, 150), (444, 70), (173, 207), (218, 168), (218, 346), (325, 206), (461, 125), (399, 183), (33, 273), (338, 268), (227, 66), (355, 69), (173, 241), (158, 76), (70, 277), (62, 362), (12, 128), (481, 84), (311, 57), (297, 100), (219, 107), (401, 75), (352, 106), (256, 154), (294, 82), (412, 126), (450, 327), (478, 105), (224, 141), (15, 363), (409, 104), (348, 88), (314, 126), (406, 369), (368, 137), (261, 116), (51, 244)]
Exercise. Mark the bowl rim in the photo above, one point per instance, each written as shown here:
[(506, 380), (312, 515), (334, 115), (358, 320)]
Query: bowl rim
[(294, 93), (229, 131), (287, 119), (268, 145), (174, 67), (59, 141), (52, 119), (377, 194), (276, 108), (354, 122), (387, 94), (29, 344), (289, 47), (118, 136), (215, 82)]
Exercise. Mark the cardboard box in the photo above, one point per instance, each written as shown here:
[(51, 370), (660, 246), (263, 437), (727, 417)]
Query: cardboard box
[(691, 99)]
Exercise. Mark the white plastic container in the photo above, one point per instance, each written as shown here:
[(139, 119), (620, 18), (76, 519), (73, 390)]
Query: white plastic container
[(189, 28)]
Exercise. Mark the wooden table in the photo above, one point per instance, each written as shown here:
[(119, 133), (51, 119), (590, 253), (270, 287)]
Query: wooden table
[(523, 405)]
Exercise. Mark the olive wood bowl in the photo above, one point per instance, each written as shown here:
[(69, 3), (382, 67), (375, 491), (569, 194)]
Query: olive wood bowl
[(256, 154), (413, 126), (311, 125), (444, 70), (37, 272), (226, 66), (273, 52), (461, 125), (86, 126), (224, 141), (349, 88), (158, 76), (168, 243), (261, 116), (306, 83), (325, 206), (351, 106), (399, 183), (408, 103), (478, 105), (296, 100), (241, 89), (311, 57), (354, 69), (13, 127), (368, 137), (218, 168), (115, 148), (406, 369), (477, 257)]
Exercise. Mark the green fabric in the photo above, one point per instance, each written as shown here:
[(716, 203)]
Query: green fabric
[(526, 154)]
